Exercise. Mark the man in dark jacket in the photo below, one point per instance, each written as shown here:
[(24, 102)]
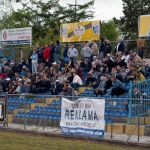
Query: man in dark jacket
[(108, 47), (120, 47), (57, 52)]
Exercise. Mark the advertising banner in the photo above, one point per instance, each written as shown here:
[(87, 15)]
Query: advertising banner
[(80, 31), (144, 26), (84, 117), (16, 36)]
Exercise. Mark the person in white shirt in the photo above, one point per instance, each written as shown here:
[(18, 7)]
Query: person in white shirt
[(72, 53), (77, 82)]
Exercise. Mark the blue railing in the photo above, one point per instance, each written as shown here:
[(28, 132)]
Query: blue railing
[(139, 101), (48, 108)]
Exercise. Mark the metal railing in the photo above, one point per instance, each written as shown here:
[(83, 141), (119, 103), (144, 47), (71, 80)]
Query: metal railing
[(139, 103), (42, 112)]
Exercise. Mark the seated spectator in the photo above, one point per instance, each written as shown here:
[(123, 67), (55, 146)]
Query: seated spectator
[(108, 82), (67, 89), (79, 71), (70, 76), (139, 77), (92, 75), (77, 82), (20, 87), (118, 87), (117, 71), (57, 88), (129, 75), (28, 86), (135, 58), (100, 90), (60, 77), (85, 67), (109, 62), (12, 87), (24, 72)]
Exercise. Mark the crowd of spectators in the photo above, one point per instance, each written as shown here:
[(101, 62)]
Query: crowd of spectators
[(51, 69)]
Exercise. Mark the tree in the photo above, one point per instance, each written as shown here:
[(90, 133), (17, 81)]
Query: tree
[(45, 17), (110, 30), (79, 12), (132, 9)]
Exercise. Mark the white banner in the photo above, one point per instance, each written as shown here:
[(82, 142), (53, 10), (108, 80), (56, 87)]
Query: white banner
[(17, 36), (83, 117)]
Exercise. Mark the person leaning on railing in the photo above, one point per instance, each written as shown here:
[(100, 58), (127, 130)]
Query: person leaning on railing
[(139, 77)]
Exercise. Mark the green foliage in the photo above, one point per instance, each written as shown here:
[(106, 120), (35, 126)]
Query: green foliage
[(45, 17), (132, 9), (77, 12), (110, 30)]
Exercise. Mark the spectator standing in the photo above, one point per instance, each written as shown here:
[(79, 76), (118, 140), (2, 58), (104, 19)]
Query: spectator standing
[(108, 47), (46, 55), (102, 49), (34, 59), (57, 52), (86, 53), (72, 53), (140, 47), (120, 47), (39, 51), (65, 56), (94, 49), (52, 48)]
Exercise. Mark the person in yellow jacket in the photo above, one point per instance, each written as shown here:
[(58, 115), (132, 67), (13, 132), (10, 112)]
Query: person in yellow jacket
[(139, 77)]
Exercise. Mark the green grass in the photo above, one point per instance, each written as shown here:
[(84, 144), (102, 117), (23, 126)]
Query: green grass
[(20, 141)]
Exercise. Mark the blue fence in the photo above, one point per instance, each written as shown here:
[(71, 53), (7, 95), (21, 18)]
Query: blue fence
[(46, 110), (139, 102)]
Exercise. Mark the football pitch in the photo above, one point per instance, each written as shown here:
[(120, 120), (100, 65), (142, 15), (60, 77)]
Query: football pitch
[(20, 141)]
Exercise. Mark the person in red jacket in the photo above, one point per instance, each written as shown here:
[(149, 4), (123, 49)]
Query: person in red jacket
[(46, 55)]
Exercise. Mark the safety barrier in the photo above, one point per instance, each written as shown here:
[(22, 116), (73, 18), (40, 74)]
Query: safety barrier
[(42, 112), (139, 102), (45, 110)]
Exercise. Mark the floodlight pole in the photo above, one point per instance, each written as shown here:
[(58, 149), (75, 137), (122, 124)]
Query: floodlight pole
[(75, 10)]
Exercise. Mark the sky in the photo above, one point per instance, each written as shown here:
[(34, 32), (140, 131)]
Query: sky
[(104, 9)]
